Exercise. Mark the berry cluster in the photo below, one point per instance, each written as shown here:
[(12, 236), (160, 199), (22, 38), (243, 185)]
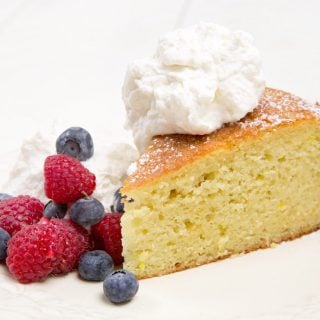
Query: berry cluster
[(48, 247), (36, 240)]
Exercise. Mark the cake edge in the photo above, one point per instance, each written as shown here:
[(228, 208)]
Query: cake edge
[(267, 245)]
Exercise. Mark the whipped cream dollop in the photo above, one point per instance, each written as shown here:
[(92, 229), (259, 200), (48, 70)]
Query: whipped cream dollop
[(200, 78)]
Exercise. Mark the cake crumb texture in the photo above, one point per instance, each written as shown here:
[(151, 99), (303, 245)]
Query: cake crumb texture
[(248, 185)]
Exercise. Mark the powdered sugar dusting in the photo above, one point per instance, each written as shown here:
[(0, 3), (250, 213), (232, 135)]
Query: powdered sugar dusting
[(279, 108), (170, 152), (315, 108)]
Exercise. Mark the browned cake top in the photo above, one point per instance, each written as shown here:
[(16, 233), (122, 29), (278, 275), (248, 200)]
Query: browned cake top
[(170, 152)]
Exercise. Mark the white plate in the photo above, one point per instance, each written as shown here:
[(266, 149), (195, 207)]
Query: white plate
[(273, 284)]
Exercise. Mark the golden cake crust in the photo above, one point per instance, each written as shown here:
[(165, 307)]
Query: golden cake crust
[(170, 152)]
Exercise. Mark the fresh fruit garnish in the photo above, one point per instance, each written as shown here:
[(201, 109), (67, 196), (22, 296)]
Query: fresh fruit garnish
[(51, 246), (76, 241), (36, 241), (66, 179), (33, 252), (117, 205), (87, 211), (107, 236), (95, 265), (4, 196), (120, 286), (75, 142), (4, 238), (55, 210), (18, 212)]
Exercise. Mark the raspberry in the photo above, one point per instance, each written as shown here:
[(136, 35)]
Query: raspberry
[(33, 252), (107, 236), (18, 212), (76, 242), (51, 246), (66, 179)]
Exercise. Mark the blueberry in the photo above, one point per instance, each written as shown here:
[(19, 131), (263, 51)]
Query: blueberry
[(55, 210), (75, 142), (117, 205), (87, 211), (120, 286), (4, 196), (4, 238), (95, 265)]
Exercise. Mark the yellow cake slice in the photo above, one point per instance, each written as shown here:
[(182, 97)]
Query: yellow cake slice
[(247, 185)]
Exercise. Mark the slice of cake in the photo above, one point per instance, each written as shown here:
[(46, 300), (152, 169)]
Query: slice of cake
[(197, 199)]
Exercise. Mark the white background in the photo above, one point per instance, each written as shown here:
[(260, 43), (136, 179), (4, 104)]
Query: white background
[(66, 60)]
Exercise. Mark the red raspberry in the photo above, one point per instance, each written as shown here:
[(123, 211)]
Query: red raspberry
[(107, 236), (66, 179), (51, 246), (33, 252), (76, 242), (18, 212)]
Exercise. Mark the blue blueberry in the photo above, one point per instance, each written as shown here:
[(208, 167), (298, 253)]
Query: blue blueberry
[(55, 210), (75, 142), (95, 265), (120, 286), (117, 205), (4, 238), (4, 196), (87, 211)]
